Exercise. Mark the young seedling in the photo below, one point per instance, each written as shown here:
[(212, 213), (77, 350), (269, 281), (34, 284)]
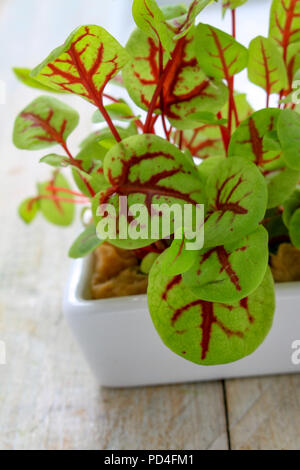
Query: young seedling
[(195, 141)]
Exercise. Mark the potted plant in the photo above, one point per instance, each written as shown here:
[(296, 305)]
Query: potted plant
[(197, 143)]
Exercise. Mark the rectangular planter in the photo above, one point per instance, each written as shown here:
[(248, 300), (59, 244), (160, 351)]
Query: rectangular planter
[(123, 349)]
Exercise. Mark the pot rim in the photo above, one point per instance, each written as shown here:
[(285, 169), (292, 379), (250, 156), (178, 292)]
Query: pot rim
[(78, 298)]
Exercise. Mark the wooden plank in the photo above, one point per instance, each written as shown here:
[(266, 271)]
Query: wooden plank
[(264, 413), (48, 398)]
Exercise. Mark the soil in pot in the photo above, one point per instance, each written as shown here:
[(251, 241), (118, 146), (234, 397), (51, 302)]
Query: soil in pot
[(285, 264), (117, 273)]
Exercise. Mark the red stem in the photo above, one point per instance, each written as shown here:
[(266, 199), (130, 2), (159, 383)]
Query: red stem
[(233, 23), (224, 134), (158, 90), (108, 120), (180, 139), (65, 190), (111, 98)]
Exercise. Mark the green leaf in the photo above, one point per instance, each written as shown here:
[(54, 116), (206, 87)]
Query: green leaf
[(232, 4), (236, 200), (281, 183), (207, 118), (84, 64), (188, 20), (206, 141), (209, 166), (173, 11), (218, 53), (248, 141), (219, 274), (186, 88), (285, 22), (178, 259), (271, 142), (28, 209), (91, 157), (150, 19), (288, 128), (44, 123), (118, 111), (58, 161), (85, 243), (148, 170), (105, 133), (148, 262), (266, 67), (208, 333), (294, 229), (291, 205), (291, 217), (24, 76), (56, 211)]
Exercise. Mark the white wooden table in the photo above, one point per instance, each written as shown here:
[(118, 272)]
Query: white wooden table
[(48, 398)]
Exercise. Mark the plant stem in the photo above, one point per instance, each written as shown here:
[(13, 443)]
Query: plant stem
[(77, 164), (233, 23), (180, 139), (224, 134), (158, 90), (111, 98), (108, 120), (65, 190)]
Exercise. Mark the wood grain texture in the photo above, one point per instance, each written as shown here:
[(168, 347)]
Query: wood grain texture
[(264, 414), (48, 398)]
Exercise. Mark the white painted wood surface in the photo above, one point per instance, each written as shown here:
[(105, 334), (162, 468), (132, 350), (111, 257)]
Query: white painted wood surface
[(48, 398)]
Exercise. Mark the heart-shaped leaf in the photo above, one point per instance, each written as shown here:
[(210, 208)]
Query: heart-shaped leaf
[(84, 64), (178, 259), (24, 76), (208, 333), (206, 140), (44, 123), (218, 53), (150, 19), (188, 20), (53, 204), (148, 170), (266, 67), (186, 89), (285, 22), (236, 200), (288, 128), (219, 274), (249, 141), (85, 243)]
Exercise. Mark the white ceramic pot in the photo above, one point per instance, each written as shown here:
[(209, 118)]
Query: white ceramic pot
[(123, 349)]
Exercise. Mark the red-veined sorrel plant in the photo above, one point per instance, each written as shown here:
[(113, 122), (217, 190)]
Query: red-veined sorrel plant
[(214, 305)]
